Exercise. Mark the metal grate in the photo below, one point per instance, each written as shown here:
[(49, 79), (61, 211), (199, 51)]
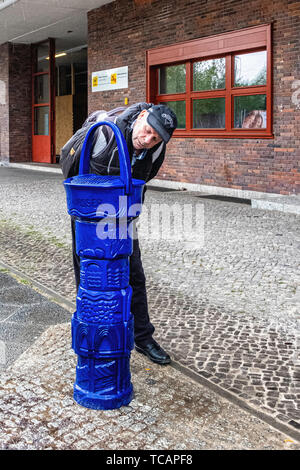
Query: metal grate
[(101, 180)]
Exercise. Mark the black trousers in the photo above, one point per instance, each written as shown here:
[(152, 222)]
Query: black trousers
[(143, 328)]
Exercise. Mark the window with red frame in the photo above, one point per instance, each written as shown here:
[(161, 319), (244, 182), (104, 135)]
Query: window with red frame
[(218, 86)]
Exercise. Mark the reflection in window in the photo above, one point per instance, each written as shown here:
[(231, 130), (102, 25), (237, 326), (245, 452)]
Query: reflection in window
[(209, 74), (41, 89), (209, 113), (63, 80), (172, 79), (179, 109), (250, 112), (42, 58), (250, 69), (41, 120)]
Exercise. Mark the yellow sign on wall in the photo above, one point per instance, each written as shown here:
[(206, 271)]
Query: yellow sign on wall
[(111, 79)]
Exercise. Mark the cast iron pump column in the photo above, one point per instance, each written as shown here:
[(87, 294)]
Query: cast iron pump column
[(102, 326)]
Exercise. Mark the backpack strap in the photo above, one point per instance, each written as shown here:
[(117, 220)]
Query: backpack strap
[(70, 153)]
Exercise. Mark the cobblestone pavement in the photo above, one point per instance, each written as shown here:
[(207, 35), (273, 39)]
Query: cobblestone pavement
[(229, 311), (168, 411)]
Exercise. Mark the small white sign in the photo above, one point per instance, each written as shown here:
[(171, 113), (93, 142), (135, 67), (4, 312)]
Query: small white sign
[(111, 79)]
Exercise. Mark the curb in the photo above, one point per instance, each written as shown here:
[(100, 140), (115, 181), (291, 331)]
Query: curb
[(265, 201)]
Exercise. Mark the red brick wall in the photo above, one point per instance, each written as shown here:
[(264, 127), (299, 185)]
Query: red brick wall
[(20, 103), (4, 107), (15, 105), (119, 34)]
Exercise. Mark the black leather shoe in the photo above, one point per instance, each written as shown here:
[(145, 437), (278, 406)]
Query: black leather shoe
[(154, 352)]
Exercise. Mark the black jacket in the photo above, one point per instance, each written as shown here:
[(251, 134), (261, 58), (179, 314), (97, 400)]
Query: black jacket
[(107, 160)]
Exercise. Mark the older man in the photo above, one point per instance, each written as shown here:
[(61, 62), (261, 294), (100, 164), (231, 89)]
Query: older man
[(146, 128)]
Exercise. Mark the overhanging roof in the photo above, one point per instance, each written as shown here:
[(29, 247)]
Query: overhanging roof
[(30, 21)]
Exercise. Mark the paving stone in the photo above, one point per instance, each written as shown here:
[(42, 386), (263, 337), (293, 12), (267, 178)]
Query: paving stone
[(6, 311), (18, 333), (47, 313), (19, 295)]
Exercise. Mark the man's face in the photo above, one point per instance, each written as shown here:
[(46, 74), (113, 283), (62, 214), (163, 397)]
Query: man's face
[(143, 135)]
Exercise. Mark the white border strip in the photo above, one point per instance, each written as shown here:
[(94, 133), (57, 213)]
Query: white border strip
[(30, 166), (259, 200), (217, 190)]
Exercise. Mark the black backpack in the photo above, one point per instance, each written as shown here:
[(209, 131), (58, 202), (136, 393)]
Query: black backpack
[(70, 153)]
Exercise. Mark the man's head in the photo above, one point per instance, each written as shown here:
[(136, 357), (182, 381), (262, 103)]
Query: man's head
[(152, 126)]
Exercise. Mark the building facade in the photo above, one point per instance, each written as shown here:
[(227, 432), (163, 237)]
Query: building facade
[(230, 69), (127, 32)]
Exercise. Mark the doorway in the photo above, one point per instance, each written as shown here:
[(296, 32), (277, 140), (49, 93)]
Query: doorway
[(59, 91), (43, 104), (71, 93)]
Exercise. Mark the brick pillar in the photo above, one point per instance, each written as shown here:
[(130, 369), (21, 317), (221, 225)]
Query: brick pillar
[(15, 102), (20, 104), (4, 107)]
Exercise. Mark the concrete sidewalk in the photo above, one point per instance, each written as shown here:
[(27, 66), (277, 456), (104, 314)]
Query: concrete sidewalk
[(169, 411), (228, 313)]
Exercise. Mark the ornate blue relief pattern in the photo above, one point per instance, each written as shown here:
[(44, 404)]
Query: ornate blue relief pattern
[(102, 326)]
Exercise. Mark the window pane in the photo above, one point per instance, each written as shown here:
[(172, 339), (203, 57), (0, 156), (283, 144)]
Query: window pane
[(250, 69), (41, 120), (42, 58), (209, 113), (209, 74), (172, 79), (250, 112), (63, 80), (179, 109), (41, 89)]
